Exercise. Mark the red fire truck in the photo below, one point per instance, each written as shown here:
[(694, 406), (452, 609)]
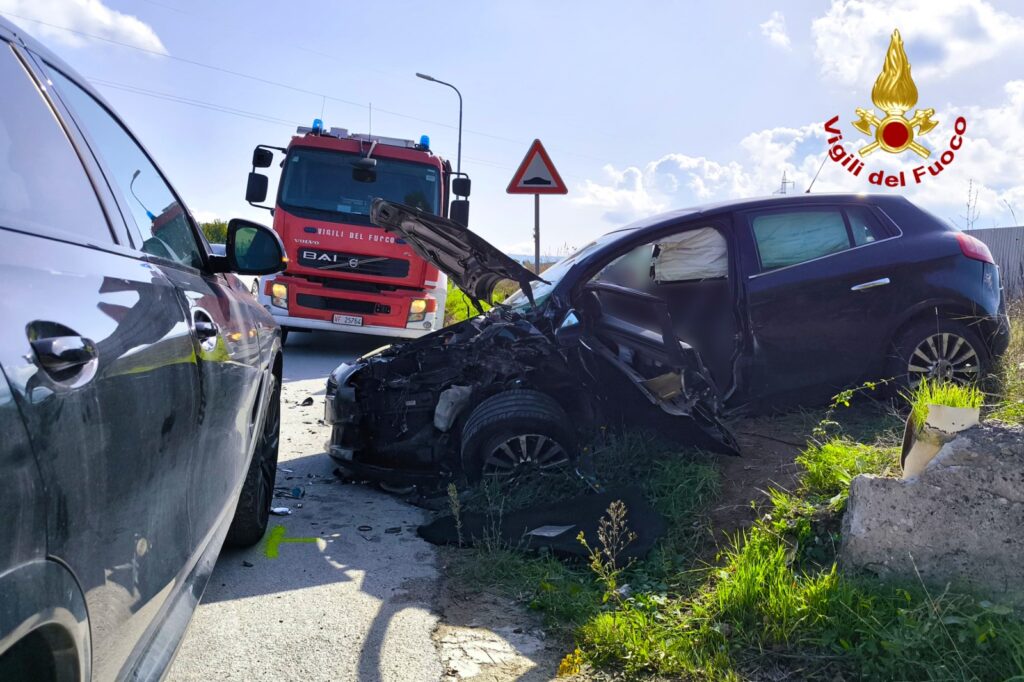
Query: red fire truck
[(345, 274)]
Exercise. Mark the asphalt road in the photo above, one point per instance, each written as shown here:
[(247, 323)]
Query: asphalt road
[(340, 589)]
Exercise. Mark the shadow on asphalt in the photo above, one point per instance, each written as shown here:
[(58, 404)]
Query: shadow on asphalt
[(313, 355), (343, 533)]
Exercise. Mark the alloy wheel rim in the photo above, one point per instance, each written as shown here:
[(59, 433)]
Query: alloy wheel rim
[(943, 357), (525, 452)]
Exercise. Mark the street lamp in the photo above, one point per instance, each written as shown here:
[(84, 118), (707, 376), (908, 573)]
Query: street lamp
[(458, 162)]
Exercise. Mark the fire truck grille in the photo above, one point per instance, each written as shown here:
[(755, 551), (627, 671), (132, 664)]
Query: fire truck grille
[(336, 261), (342, 305)]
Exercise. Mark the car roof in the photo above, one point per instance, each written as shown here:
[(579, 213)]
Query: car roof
[(23, 38), (770, 202)]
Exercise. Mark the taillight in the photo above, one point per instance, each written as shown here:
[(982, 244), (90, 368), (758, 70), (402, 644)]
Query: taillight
[(974, 248)]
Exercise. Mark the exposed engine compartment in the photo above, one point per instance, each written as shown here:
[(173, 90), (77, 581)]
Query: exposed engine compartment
[(398, 389)]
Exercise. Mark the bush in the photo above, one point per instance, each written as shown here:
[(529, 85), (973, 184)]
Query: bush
[(216, 232)]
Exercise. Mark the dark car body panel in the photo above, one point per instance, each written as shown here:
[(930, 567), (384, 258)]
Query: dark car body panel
[(128, 467), (474, 265), (795, 333)]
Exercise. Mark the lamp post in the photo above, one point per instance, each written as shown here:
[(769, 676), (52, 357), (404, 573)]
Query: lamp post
[(458, 162)]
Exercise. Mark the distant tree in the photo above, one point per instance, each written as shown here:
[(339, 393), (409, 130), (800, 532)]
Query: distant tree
[(216, 232)]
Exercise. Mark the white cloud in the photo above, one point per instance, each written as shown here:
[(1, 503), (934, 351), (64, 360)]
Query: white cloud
[(941, 36), (87, 16), (775, 30), (992, 148)]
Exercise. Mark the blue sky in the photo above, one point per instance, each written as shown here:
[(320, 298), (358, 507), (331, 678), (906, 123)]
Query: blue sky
[(643, 106)]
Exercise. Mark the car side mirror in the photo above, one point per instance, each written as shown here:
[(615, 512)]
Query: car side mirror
[(458, 212), (256, 188), (262, 158), (253, 249), (569, 329), (461, 187)]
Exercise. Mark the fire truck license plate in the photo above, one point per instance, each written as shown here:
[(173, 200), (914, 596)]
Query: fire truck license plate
[(348, 319)]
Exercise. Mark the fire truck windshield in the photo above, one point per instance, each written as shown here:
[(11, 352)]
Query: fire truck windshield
[(331, 186)]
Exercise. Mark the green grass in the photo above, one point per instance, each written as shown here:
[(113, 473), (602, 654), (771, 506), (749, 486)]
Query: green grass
[(458, 307), (829, 467), (1010, 371), (941, 393), (778, 602), (679, 484)]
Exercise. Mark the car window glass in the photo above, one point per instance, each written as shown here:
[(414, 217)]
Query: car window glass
[(631, 270), (159, 216), (43, 185), (798, 236), (864, 226)]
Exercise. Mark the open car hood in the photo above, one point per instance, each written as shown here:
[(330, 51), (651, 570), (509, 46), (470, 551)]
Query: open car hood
[(474, 265)]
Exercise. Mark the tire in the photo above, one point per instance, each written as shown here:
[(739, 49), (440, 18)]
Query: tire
[(284, 336), (939, 349), (533, 428), (253, 511)]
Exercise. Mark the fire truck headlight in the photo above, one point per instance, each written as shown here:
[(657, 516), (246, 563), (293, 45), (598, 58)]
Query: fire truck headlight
[(279, 294), (419, 305)]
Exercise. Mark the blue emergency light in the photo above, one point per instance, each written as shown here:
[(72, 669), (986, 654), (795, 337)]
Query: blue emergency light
[(425, 141), (318, 126)]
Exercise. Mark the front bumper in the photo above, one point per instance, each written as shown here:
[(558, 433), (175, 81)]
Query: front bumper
[(286, 320)]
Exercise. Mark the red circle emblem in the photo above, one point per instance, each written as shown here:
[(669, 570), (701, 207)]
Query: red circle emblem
[(895, 134)]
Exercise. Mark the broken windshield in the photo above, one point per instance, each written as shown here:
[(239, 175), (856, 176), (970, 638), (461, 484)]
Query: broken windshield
[(331, 185), (554, 274)]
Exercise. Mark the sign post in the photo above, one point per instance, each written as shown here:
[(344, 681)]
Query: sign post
[(536, 175)]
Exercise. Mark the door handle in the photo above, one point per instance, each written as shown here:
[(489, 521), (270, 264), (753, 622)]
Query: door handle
[(870, 285), (206, 329), (61, 353)]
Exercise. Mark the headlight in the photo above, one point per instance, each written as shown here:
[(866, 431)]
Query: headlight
[(419, 307), (279, 294)]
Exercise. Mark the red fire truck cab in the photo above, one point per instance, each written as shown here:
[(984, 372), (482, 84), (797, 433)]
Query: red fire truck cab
[(345, 274)]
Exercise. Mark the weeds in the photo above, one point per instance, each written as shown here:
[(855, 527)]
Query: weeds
[(1010, 371), (456, 508), (614, 536), (941, 393)]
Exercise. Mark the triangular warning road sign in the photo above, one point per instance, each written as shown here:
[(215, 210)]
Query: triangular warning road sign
[(536, 174)]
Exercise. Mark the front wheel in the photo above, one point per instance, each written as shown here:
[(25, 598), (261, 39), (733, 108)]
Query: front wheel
[(514, 433), (938, 350), (253, 511)]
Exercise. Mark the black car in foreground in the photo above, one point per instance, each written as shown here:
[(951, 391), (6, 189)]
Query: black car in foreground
[(675, 321), (139, 391)]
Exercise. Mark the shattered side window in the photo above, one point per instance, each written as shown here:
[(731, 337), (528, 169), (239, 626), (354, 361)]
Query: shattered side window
[(631, 270), (798, 236)]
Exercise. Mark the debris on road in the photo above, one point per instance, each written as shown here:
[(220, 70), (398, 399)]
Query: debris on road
[(307, 402), (280, 511)]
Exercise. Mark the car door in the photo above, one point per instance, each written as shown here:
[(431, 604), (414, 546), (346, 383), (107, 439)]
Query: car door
[(97, 349), (226, 343), (822, 287)]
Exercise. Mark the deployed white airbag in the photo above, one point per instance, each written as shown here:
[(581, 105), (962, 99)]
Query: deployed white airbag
[(692, 255)]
